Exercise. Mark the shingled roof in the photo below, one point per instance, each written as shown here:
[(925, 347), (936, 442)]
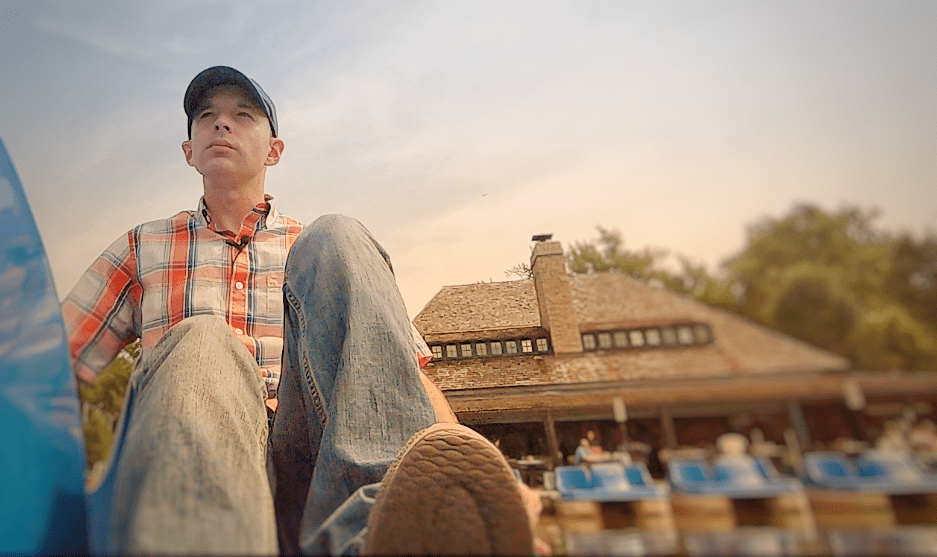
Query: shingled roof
[(606, 301), (480, 307)]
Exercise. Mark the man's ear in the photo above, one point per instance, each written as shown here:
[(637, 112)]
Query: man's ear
[(276, 149), (187, 149)]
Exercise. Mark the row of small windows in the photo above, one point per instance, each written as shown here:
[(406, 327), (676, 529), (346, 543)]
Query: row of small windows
[(680, 335), (487, 348)]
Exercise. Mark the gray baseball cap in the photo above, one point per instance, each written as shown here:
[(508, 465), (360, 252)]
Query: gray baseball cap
[(223, 75)]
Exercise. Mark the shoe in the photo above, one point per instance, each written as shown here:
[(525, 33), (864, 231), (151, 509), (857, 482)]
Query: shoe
[(450, 492)]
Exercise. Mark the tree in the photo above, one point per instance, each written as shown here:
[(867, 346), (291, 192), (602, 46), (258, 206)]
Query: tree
[(102, 400), (608, 252), (837, 281), (649, 264), (810, 310), (912, 279), (831, 278), (842, 246), (521, 270)]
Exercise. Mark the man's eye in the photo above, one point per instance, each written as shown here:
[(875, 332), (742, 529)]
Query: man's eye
[(204, 115), (246, 114)]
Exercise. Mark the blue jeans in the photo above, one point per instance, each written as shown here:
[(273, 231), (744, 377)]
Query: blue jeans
[(193, 475)]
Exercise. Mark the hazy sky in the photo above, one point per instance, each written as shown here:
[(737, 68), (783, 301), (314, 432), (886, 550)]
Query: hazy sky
[(456, 130)]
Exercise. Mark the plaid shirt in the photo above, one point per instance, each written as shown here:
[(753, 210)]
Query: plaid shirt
[(161, 272)]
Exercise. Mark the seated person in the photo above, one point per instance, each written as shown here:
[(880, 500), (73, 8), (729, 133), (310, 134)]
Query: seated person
[(279, 372), (734, 459), (588, 451)]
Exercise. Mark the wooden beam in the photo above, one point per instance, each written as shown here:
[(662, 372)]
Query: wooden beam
[(579, 399)]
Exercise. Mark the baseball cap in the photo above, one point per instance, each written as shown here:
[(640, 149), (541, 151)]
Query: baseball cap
[(223, 75)]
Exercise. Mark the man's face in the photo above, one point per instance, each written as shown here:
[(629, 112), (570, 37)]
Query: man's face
[(231, 137)]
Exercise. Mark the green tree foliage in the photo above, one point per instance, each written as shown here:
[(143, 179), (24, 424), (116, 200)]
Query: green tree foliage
[(837, 281), (912, 279), (810, 310), (102, 400), (650, 264), (609, 252), (98, 435), (830, 278)]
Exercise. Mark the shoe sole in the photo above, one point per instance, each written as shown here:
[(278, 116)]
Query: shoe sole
[(450, 492)]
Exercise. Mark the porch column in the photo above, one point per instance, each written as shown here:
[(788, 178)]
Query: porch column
[(668, 427), (553, 444), (796, 415)]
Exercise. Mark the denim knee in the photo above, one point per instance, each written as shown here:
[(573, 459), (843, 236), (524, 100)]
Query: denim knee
[(328, 241), (209, 324), (195, 336)]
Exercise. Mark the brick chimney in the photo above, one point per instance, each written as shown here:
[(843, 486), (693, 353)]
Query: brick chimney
[(555, 297)]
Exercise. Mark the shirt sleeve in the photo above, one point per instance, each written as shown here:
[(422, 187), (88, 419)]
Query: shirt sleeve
[(100, 310), (423, 353)]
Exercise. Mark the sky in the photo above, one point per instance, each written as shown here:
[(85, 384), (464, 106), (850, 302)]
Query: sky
[(456, 130)]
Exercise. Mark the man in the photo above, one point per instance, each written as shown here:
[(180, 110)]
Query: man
[(238, 307)]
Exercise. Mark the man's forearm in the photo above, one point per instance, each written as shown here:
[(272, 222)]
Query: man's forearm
[(444, 412)]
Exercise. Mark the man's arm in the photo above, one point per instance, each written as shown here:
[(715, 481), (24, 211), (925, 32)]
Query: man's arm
[(99, 311), (444, 412)]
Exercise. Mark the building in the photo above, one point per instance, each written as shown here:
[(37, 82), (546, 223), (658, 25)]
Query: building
[(536, 363)]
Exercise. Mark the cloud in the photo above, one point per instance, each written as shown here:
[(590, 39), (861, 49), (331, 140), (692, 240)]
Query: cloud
[(136, 32), (674, 122)]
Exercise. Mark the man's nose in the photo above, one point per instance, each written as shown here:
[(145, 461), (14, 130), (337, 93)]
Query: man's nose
[(223, 122)]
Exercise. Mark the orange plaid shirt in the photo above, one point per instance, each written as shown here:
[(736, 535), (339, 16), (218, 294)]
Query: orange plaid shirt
[(163, 271)]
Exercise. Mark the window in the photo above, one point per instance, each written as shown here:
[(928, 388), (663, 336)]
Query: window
[(652, 336), (669, 336), (481, 348), (510, 347), (437, 352), (685, 334), (636, 338), (450, 351), (605, 340), (527, 346), (588, 342), (495, 348), (542, 345), (702, 333), (621, 339), (466, 350)]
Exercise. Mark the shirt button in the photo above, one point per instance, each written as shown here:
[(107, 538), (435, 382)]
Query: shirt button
[(239, 285), (239, 331)]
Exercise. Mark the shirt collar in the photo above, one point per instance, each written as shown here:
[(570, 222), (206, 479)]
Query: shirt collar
[(240, 238), (272, 213), (201, 215)]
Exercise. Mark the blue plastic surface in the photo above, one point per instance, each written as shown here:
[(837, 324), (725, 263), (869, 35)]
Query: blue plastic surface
[(42, 454), (870, 472), (895, 469), (744, 478), (638, 475), (602, 482)]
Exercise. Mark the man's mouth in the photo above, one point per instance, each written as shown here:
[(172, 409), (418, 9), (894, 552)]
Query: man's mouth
[(221, 143)]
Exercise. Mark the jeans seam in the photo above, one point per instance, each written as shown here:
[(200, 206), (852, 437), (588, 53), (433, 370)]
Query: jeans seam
[(312, 386)]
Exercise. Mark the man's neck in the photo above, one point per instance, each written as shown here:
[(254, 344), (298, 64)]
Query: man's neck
[(228, 204)]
